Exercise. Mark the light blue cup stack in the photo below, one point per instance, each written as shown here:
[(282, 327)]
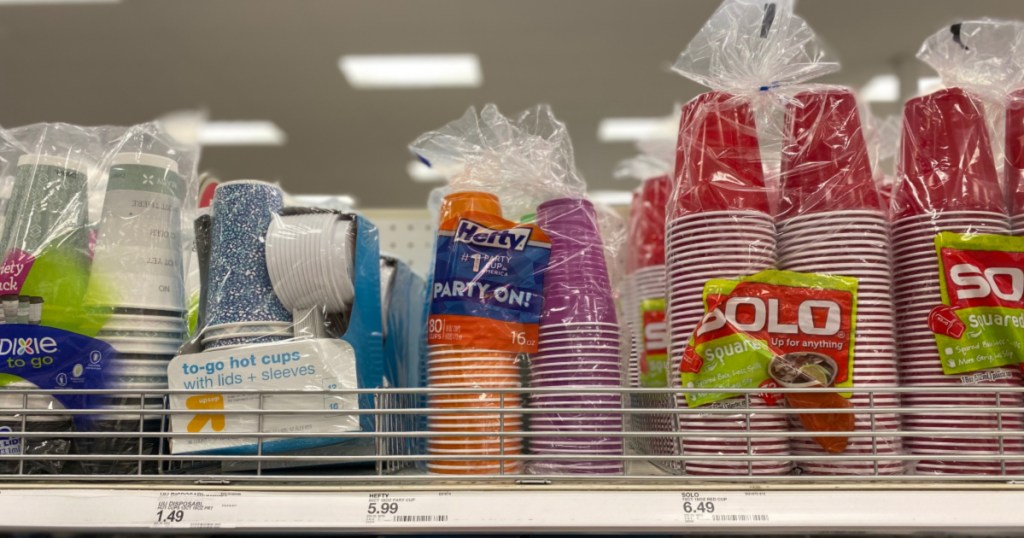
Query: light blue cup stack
[(242, 307)]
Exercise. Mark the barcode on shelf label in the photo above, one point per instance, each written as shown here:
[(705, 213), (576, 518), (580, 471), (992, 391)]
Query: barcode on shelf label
[(740, 517), (420, 519)]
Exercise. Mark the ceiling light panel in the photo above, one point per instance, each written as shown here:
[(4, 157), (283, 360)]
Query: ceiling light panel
[(241, 133), (411, 71)]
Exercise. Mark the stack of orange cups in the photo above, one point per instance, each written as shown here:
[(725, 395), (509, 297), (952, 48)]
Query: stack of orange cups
[(483, 422)]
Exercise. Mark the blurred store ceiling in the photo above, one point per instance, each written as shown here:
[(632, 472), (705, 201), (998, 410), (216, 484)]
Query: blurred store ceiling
[(277, 60)]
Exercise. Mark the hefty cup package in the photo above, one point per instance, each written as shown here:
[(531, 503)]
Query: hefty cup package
[(521, 280), (91, 287), (955, 266)]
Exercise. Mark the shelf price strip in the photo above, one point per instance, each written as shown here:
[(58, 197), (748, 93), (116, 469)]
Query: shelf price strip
[(510, 510)]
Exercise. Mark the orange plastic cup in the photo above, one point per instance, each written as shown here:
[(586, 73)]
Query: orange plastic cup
[(462, 204), (474, 467)]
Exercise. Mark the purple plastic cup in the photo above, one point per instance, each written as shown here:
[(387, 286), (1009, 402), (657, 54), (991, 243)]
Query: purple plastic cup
[(577, 287), (576, 467)]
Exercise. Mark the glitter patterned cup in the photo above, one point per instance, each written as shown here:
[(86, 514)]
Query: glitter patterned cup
[(240, 289)]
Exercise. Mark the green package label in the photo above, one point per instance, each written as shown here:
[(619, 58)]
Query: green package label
[(654, 351), (980, 324), (750, 322)]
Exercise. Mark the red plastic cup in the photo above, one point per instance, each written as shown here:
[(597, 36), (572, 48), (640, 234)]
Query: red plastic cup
[(946, 157), (1015, 153), (825, 164), (654, 198), (718, 157)]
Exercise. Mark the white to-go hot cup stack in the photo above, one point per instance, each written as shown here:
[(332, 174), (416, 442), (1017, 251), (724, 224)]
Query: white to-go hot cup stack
[(832, 222), (310, 259), (720, 226), (948, 183)]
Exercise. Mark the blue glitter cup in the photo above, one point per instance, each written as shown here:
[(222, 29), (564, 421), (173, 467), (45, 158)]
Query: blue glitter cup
[(239, 287)]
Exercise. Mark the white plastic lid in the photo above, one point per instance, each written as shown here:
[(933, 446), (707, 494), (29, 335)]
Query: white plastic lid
[(145, 159), (76, 163)]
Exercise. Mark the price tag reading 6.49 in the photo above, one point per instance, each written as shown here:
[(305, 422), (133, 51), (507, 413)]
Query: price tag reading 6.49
[(698, 507)]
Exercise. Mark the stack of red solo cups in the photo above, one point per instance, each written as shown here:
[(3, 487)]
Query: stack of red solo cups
[(1014, 166), (948, 183), (646, 282), (720, 226), (648, 278), (831, 221)]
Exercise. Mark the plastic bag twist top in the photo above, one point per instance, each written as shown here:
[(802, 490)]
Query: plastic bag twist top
[(523, 160), (642, 167), (753, 45), (984, 56)]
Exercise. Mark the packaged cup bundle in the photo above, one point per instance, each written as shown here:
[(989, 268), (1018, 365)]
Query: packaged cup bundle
[(956, 269), (643, 296), (721, 219), (644, 282), (291, 301), (502, 289), (831, 221), (93, 286)]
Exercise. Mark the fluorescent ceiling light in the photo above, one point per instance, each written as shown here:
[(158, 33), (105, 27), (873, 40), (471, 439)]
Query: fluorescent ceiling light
[(421, 173), (340, 202), (377, 71), (241, 133), (611, 197), (881, 89), (633, 129), (928, 84)]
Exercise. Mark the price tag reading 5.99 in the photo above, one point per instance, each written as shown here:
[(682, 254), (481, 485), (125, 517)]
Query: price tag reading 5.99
[(382, 507)]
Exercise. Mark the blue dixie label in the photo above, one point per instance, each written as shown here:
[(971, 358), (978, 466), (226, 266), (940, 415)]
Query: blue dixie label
[(54, 359), (488, 284)]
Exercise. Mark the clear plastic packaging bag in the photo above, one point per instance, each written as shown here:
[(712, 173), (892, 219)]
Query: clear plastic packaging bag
[(775, 172), (521, 269), (950, 213), (92, 244), (292, 299)]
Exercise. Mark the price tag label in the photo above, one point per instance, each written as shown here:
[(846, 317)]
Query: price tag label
[(392, 508), (718, 507), (195, 509)]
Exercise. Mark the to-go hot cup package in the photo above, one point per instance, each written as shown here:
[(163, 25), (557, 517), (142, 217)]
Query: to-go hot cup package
[(294, 303), (520, 279), (91, 285)]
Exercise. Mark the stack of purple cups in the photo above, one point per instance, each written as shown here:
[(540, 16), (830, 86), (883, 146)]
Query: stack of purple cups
[(579, 348)]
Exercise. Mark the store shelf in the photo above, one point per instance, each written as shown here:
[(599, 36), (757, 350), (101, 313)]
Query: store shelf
[(519, 508), (383, 489)]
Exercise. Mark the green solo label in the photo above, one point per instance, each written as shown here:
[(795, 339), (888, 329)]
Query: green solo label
[(751, 321), (654, 365), (980, 324)]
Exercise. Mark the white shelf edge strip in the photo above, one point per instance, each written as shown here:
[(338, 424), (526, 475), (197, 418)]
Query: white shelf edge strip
[(510, 510)]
